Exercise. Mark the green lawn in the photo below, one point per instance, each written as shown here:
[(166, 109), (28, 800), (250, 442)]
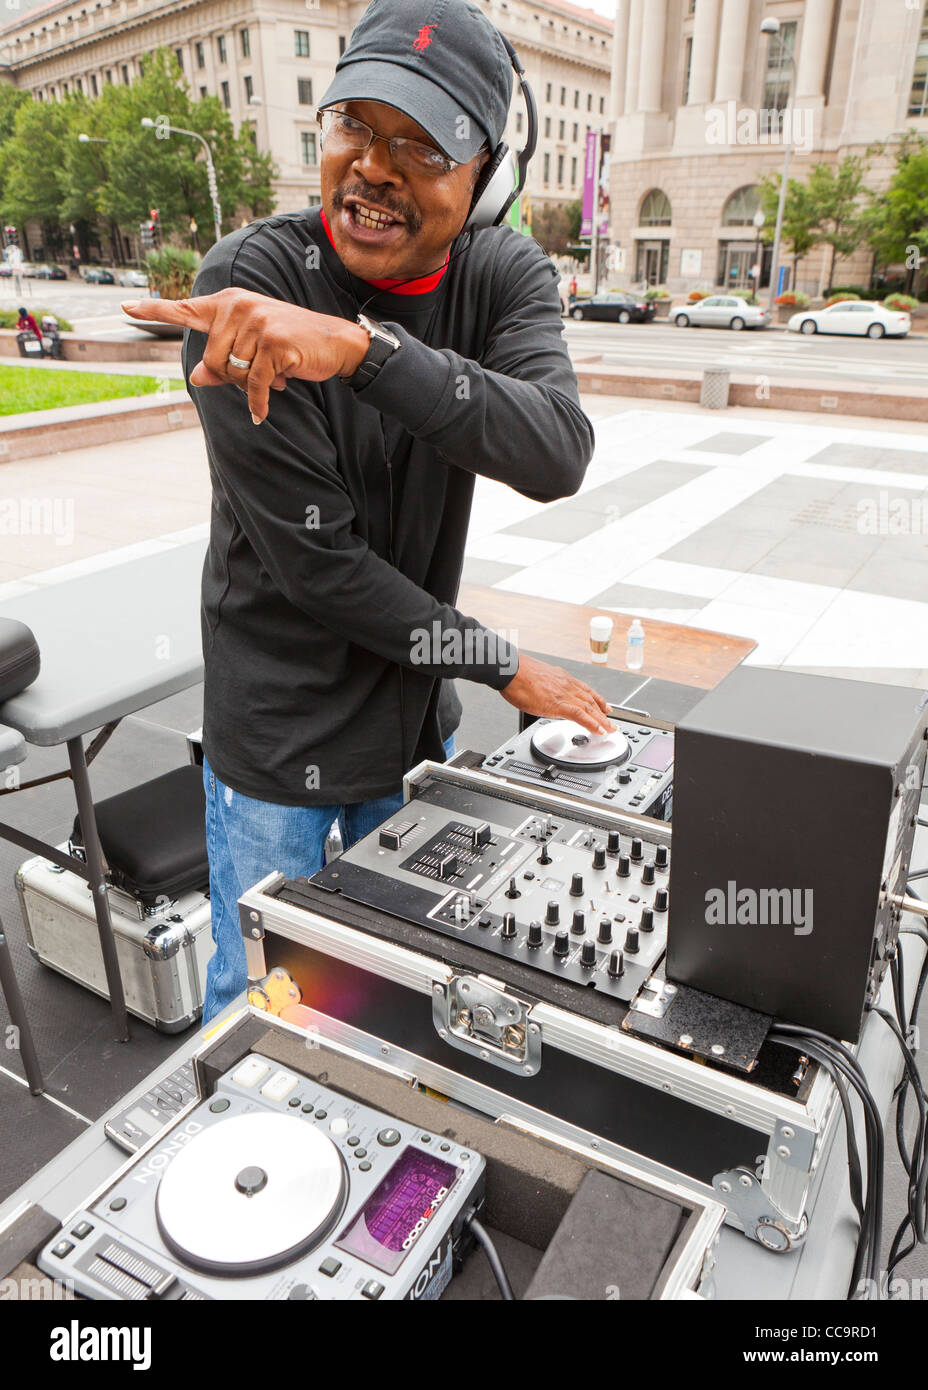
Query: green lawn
[(37, 388)]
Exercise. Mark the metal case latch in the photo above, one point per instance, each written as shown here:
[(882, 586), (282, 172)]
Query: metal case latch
[(478, 1016), (762, 1219)]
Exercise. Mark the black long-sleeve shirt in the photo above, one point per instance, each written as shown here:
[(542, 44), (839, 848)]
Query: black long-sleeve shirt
[(339, 524)]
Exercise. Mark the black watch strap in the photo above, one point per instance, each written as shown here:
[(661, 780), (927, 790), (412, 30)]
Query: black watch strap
[(382, 346)]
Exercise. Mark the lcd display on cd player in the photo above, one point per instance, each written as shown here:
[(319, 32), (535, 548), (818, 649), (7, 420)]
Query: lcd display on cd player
[(657, 755), (399, 1209)]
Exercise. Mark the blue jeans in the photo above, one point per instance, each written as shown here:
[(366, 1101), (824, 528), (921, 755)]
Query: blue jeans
[(248, 839)]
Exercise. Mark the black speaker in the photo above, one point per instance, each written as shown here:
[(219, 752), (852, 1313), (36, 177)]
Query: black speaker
[(795, 799)]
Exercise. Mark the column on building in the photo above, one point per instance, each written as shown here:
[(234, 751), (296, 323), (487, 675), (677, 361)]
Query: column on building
[(619, 59), (733, 33), (633, 59), (705, 45), (653, 35), (813, 48)]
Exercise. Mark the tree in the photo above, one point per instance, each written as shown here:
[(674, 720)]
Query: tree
[(574, 212), (551, 229), (897, 219), (799, 231), (32, 174), (834, 193)]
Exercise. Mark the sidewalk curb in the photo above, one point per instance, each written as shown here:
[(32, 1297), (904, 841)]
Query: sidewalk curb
[(100, 422)]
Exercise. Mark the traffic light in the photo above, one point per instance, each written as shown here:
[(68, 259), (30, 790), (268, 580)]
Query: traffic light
[(12, 236), (147, 230)]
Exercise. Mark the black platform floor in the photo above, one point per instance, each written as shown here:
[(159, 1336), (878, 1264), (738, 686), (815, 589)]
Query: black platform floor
[(86, 1071)]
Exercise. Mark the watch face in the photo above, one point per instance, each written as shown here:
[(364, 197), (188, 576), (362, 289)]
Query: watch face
[(377, 330)]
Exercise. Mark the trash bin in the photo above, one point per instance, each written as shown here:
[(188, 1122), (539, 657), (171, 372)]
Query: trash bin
[(715, 384), (29, 345)]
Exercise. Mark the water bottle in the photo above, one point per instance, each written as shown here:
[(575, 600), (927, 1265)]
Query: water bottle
[(634, 646)]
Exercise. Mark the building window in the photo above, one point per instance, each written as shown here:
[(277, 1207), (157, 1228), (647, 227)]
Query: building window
[(201, 57), (93, 84), (252, 134), (249, 88), (602, 105), (64, 88), (560, 170), (108, 77), (576, 98), (687, 68), (341, 45), (573, 172), (125, 75), (655, 210), (39, 96), (202, 93), (308, 146), (560, 130), (547, 126), (589, 101), (781, 49), (652, 261), (547, 91), (80, 85), (221, 47), (563, 96), (741, 207), (918, 100), (576, 131), (301, 43), (246, 44), (226, 96), (304, 91), (546, 176)]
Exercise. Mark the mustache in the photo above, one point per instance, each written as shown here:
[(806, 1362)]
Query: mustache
[(370, 195)]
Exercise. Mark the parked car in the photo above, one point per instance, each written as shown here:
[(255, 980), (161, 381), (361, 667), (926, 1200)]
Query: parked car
[(6, 270), (27, 270), (50, 272), (135, 279), (863, 318), (614, 308), (96, 276), (722, 311)]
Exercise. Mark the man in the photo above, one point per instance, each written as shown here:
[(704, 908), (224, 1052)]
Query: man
[(26, 323), (341, 501)]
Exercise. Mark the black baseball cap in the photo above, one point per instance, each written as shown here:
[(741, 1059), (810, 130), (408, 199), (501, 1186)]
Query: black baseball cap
[(440, 62)]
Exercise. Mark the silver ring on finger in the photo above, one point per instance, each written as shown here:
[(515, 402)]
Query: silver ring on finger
[(239, 362)]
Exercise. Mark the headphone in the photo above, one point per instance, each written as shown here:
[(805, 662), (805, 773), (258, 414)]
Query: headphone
[(503, 176)]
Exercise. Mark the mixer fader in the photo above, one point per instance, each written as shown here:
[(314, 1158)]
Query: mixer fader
[(582, 901)]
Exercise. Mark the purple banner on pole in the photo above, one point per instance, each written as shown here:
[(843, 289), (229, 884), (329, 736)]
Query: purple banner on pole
[(590, 176)]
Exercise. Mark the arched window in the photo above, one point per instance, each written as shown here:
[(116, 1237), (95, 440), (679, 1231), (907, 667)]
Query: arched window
[(741, 207), (655, 209)]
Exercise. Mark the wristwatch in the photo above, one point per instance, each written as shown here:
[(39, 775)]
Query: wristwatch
[(382, 345)]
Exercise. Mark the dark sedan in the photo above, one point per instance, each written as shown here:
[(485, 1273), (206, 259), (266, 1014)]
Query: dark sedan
[(99, 277), (614, 308)]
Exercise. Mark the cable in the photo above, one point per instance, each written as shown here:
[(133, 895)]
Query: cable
[(496, 1264)]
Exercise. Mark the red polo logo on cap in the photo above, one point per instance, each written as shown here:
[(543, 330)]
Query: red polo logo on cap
[(424, 37)]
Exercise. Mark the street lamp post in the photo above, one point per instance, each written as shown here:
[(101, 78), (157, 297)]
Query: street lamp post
[(149, 124), (758, 219), (771, 27)]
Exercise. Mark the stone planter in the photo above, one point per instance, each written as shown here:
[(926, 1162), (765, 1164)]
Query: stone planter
[(661, 308)]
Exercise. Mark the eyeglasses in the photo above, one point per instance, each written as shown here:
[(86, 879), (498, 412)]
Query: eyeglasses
[(343, 132)]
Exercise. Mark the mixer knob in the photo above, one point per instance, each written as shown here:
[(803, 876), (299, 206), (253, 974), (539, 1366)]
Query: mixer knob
[(637, 849), (535, 935), (588, 955), (647, 873), (662, 857), (509, 925), (625, 866), (616, 965), (576, 885), (661, 899), (647, 919), (613, 844), (561, 944), (480, 835), (604, 936), (553, 913), (578, 925), (462, 908), (631, 941), (544, 857), (512, 891), (625, 778), (599, 857)]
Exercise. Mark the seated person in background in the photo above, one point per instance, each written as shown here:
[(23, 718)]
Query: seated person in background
[(27, 324)]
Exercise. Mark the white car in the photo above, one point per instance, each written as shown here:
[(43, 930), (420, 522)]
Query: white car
[(859, 317), (135, 279), (722, 311)]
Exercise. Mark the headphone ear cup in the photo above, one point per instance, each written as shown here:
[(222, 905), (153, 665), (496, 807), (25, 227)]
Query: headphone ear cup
[(495, 189)]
